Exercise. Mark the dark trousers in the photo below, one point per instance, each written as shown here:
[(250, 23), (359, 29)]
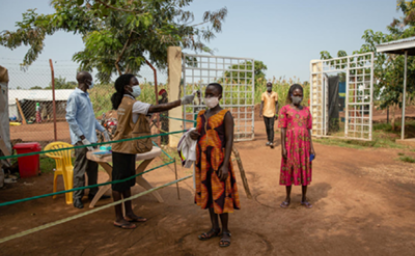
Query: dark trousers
[(83, 165), (269, 126)]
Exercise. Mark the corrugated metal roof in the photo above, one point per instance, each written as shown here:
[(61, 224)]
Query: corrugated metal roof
[(404, 40)]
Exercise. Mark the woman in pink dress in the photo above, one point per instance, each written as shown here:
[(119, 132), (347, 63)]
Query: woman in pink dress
[(296, 145)]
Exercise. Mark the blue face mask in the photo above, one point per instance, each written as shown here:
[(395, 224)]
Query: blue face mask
[(136, 91), (91, 85)]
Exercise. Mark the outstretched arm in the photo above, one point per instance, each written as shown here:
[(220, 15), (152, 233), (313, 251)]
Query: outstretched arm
[(170, 105), (163, 107)]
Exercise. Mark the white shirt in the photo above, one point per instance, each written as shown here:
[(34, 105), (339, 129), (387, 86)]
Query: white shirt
[(138, 108)]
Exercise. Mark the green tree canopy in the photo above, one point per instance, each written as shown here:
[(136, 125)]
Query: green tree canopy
[(259, 68), (61, 83), (118, 34)]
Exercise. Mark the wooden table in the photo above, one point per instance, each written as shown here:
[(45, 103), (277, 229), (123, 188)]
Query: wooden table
[(104, 160)]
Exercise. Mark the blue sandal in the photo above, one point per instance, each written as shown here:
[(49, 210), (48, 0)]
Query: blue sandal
[(306, 204)]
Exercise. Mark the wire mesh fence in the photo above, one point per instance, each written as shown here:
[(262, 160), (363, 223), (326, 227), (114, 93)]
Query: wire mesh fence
[(31, 113)]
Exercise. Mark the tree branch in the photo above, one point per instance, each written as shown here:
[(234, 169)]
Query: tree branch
[(115, 8), (123, 51)]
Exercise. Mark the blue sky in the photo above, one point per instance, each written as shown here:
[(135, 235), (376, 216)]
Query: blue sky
[(284, 34)]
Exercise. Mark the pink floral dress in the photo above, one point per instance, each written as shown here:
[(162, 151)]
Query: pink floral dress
[(297, 168)]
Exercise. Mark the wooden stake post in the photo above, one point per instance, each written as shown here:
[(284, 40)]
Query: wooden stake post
[(21, 111), (242, 171)]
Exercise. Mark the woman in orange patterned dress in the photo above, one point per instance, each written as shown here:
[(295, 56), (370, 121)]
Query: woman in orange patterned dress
[(215, 179)]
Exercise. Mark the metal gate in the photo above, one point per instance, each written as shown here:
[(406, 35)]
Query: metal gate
[(354, 120), (236, 75)]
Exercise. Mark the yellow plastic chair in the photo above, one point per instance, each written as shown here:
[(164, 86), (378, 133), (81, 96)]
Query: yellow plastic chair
[(64, 167)]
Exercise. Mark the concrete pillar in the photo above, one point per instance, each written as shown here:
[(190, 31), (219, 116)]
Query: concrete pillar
[(317, 97), (174, 61)]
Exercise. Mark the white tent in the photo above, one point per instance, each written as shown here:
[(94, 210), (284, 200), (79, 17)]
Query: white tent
[(34, 95)]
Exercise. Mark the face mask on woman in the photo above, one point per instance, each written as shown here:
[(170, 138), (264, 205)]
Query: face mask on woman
[(91, 85), (212, 102), (136, 91), (296, 99)]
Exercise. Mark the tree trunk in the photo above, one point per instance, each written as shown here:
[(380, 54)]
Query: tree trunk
[(393, 116)]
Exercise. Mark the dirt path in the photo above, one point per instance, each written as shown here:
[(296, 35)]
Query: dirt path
[(42, 133), (363, 205)]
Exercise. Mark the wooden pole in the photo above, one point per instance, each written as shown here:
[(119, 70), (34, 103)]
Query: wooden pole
[(53, 99), (242, 171), (404, 96), (20, 111), (157, 99), (177, 184)]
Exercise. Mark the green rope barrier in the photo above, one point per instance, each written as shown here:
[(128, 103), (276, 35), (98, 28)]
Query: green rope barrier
[(179, 119), (55, 223), (90, 145), (164, 152), (82, 188)]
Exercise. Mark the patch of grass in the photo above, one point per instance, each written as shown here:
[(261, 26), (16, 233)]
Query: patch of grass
[(409, 128), (407, 159), (381, 139), (401, 154), (46, 164)]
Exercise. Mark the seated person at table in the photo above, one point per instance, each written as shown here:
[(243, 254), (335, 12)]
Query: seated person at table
[(215, 179), (131, 122)]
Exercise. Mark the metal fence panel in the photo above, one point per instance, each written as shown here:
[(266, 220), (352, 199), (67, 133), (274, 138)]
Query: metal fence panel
[(356, 119), (237, 77)]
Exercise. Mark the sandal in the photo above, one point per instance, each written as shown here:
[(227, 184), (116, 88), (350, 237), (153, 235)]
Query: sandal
[(210, 234), (139, 219), (285, 204), (125, 225), (223, 242), (306, 204)]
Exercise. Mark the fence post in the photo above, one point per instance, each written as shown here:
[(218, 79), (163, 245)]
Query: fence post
[(174, 60), (53, 99), (157, 100)]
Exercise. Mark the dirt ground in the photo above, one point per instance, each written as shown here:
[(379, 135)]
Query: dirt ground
[(363, 204), (42, 133)]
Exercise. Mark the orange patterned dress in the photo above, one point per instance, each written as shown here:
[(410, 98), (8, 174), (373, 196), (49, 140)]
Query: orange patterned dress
[(223, 197)]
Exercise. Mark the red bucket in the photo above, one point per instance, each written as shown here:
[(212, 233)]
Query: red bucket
[(28, 165)]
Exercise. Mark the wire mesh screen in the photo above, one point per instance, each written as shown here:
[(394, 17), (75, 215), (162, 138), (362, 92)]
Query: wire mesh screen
[(236, 75), (355, 103), (31, 103)]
